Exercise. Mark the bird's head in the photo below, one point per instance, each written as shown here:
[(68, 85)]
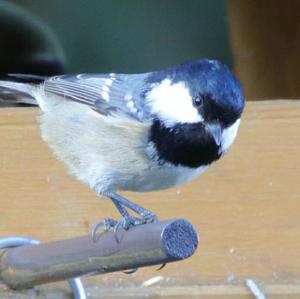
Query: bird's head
[(201, 102)]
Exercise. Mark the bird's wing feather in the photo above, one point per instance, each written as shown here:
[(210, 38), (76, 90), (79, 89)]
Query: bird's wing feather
[(105, 93)]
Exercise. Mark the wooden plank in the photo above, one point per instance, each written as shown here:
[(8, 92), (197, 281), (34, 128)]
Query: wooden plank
[(246, 207), (164, 292), (198, 292)]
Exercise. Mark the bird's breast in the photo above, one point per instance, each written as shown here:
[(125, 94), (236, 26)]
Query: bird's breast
[(109, 154)]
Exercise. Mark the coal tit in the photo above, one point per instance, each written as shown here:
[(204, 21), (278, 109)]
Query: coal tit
[(137, 132)]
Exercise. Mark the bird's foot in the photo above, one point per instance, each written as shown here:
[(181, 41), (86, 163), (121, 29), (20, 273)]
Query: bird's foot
[(148, 216), (130, 221), (106, 224), (125, 224), (143, 216)]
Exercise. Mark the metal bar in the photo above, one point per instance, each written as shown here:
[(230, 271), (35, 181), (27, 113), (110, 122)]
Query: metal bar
[(75, 283), (143, 245)]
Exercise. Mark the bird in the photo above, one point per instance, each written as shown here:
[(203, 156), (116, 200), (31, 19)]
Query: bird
[(135, 132)]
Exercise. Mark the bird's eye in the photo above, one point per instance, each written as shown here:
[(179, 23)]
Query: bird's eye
[(198, 101)]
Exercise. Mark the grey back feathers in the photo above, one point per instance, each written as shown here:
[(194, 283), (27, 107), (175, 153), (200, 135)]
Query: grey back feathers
[(108, 94)]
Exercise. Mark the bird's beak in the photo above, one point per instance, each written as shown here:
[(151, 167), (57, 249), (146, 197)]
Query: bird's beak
[(216, 131)]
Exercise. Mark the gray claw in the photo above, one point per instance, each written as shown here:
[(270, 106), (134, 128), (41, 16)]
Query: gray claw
[(131, 271), (149, 217), (107, 224), (161, 267), (127, 223)]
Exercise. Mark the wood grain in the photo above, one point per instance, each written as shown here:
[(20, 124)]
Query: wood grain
[(169, 292), (246, 207)]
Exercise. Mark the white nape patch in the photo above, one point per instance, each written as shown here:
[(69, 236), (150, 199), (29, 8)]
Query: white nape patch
[(215, 64), (105, 95), (133, 110), (229, 135), (108, 82), (172, 103), (130, 104), (105, 88)]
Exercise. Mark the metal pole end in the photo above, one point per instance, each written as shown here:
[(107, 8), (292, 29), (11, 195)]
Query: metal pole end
[(180, 239)]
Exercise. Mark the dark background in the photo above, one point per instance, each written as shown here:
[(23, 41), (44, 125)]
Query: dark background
[(134, 35), (260, 40)]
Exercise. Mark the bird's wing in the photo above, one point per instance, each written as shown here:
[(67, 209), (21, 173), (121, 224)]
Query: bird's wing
[(108, 94)]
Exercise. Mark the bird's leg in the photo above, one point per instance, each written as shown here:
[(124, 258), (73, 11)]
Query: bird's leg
[(123, 203), (128, 220)]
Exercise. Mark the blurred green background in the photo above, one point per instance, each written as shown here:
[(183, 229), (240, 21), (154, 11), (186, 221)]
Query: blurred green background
[(131, 35)]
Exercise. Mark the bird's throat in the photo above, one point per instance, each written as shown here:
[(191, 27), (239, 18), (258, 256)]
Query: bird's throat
[(186, 144)]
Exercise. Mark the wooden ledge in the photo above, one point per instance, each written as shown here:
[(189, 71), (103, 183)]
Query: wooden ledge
[(246, 207)]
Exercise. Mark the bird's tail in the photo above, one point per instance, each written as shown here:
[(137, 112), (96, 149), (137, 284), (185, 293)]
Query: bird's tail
[(20, 89)]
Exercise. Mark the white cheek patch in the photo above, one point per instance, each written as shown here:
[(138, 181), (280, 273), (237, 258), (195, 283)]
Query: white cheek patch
[(172, 103), (228, 136)]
